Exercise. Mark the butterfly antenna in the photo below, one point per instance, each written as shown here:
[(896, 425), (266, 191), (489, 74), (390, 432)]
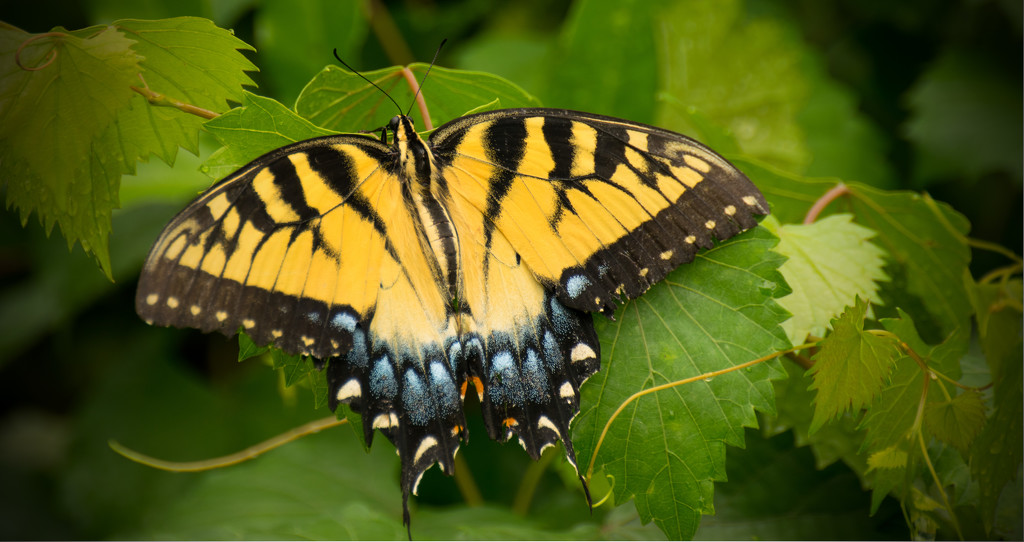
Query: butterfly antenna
[(353, 70), (420, 89)]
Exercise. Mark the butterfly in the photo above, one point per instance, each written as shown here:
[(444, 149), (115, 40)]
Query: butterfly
[(419, 270)]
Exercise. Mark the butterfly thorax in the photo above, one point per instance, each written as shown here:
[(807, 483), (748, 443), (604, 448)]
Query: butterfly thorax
[(420, 174)]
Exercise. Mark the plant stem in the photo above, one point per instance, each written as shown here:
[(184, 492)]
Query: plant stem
[(251, 452)]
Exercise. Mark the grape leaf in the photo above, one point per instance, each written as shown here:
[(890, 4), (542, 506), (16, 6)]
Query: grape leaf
[(851, 368), (893, 457), (82, 104), (927, 240), (831, 442), (831, 263), (741, 72), (293, 367), (50, 116), (666, 449), (605, 58), (342, 101), (247, 348), (891, 415), (297, 368), (996, 453), (890, 419), (187, 59), (259, 126), (956, 421), (998, 315)]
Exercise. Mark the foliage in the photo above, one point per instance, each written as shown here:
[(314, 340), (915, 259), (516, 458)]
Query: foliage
[(910, 383)]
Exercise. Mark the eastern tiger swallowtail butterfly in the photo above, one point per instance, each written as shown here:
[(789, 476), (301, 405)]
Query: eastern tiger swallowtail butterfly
[(472, 259)]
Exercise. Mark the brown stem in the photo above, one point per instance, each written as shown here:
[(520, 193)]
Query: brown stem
[(410, 78), (155, 98), (816, 209)]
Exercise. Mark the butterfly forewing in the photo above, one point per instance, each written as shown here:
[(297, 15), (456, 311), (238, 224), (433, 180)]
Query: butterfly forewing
[(599, 208), (286, 249)]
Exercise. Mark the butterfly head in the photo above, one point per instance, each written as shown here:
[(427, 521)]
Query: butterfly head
[(412, 151)]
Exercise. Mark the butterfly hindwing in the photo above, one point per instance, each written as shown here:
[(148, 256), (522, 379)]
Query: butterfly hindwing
[(529, 352)]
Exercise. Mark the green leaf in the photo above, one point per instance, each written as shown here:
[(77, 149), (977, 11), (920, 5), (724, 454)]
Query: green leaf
[(82, 104), (50, 119), (927, 240), (996, 453), (294, 367), (605, 60), (666, 449), (851, 368), (187, 59), (890, 417), (247, 348), (890, 458), (839, 440), (325, 487), (831, 263), (342, 101), (514, 56), (742, 72), (957, 421), (318, 385), (259, 126), (998, 315)]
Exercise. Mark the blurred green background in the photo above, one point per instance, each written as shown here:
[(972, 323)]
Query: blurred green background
[(936, 89)]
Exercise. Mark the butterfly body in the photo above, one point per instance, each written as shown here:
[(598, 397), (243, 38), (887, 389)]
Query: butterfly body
[(424, 269)]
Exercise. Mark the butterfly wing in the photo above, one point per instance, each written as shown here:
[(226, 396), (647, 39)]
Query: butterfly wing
[(529, 352), (313, 249), (561, 213), (599, 208)]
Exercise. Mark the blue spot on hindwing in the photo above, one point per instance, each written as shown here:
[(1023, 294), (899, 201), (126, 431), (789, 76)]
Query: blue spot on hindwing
[(358, 355), (415, 399), (560, 319), (505, 386), (382, 379), (455, 356), (443, 388), (552, 353), (534, 379)]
